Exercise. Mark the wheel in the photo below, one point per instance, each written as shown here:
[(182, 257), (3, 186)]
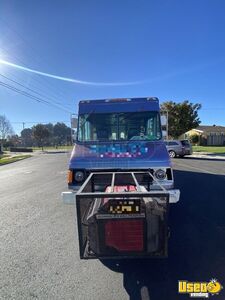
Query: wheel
[(172, 153)]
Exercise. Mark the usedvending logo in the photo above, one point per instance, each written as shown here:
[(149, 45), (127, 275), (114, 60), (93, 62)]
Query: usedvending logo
[(199, 289)]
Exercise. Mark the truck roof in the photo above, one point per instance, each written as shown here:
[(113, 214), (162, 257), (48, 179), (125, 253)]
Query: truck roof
[(98, 101), (119, 105)]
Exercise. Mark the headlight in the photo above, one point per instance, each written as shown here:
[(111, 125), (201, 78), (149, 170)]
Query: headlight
[(79, 176), (160, 174)]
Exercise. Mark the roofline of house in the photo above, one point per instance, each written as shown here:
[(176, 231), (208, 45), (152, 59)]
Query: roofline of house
[(200, 131)]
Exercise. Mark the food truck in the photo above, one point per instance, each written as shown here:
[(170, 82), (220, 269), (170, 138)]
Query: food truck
[(121, 179)]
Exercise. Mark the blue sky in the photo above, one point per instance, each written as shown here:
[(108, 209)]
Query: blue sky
[(176, 47)]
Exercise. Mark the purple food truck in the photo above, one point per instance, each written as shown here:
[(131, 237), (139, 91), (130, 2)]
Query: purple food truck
[(121, 180)]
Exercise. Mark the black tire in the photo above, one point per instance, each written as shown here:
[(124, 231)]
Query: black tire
[(172, 154)]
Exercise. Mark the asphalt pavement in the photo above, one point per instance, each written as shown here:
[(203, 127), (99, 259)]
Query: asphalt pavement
[(39, 246)]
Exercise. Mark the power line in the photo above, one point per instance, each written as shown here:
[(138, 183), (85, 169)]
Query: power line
[(33, 57), (45, 123), (14, 81), (40, 81), (38, 99), (38, 59), (36, 122)]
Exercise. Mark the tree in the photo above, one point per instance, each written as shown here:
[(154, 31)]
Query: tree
[(61, 133), (27, 137), (182, 116), (50, 128), (5, 129), (13, 141), (40, 134)]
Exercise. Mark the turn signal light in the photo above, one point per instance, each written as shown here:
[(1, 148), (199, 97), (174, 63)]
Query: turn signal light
[(70, 176)]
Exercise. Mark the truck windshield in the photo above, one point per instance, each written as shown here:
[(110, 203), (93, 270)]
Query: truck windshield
[(119, 126)]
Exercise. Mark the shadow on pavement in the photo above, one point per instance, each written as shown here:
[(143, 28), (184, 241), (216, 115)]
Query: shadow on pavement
[(196, 245)]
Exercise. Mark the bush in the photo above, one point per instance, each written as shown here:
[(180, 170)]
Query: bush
[(15, 149), (194, 139)]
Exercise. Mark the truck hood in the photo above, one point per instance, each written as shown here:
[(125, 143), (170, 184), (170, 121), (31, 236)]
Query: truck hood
[(122, 155)]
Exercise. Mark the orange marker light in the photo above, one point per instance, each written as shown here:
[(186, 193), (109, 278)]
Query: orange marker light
[(70, 176)]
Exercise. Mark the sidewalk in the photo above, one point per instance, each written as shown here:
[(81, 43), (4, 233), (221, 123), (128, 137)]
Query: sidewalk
[(38, 152), (207, 155)]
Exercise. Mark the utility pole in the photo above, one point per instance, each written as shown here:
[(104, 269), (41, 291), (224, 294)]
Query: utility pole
[(23, 125)]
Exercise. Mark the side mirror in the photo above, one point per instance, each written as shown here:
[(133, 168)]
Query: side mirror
[(164, 134), (73, 122), (164, 125), (163, 120), (73, 128)]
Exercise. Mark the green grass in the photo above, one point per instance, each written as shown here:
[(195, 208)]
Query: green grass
[(4, 155), (210, 149), (8, 160)]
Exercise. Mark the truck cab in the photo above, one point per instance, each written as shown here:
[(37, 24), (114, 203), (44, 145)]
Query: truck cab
[(120, 135)]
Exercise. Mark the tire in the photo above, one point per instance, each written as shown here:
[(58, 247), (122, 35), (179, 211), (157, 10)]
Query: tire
[(172, 154)]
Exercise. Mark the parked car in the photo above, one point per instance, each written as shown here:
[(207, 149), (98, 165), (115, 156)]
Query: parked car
[(178, 148), (187, 146)]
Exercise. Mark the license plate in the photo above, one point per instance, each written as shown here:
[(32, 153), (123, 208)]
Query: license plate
[(124, 207)]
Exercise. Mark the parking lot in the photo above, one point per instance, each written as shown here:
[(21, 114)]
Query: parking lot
[(39, 245)]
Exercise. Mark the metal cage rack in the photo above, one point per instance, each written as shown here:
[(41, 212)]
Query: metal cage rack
[(146, 227)]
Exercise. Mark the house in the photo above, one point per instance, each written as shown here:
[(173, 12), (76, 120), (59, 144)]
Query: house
[(208, 135)]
